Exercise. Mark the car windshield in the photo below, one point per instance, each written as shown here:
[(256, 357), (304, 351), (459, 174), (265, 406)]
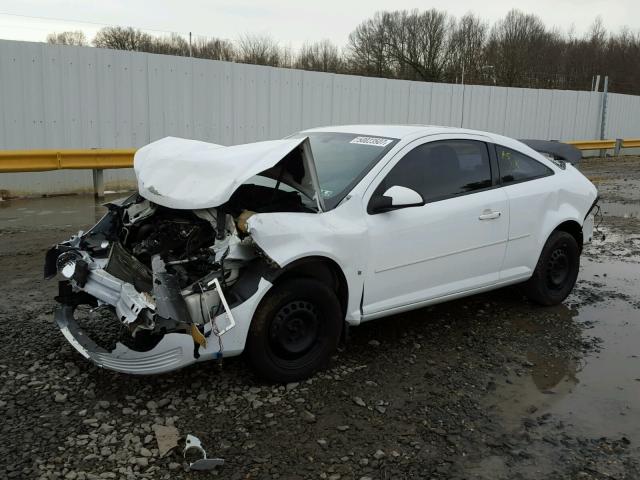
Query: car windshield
[(343, 159)]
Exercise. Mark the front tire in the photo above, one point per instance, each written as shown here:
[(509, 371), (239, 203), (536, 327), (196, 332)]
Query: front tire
[(294, 331), (557, 270)]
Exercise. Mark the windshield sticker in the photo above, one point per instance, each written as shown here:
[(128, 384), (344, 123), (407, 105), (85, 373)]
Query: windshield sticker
[(374, 141)]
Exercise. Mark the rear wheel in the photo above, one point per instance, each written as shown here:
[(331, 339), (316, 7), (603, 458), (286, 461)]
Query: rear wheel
[(556, 271), (294, 331)]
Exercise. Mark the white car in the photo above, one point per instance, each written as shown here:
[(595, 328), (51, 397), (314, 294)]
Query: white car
[(271, 248)]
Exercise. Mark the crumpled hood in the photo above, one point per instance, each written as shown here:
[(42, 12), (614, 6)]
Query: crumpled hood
[(190, 174)]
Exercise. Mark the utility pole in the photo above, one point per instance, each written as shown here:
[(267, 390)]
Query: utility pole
[(462, 112), (603, 118), (190, 44)]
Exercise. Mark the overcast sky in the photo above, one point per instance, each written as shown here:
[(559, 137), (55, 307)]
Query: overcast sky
[(291, 22)]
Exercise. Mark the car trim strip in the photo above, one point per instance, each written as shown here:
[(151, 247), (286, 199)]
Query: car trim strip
[(470, 249)]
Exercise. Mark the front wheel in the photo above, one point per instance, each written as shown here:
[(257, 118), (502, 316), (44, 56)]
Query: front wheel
[(294, 331), (556, 271)]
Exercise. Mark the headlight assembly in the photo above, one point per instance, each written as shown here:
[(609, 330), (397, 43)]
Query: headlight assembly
[(67, 264)]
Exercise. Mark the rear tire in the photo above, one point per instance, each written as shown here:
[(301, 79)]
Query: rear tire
[(557, 270), (294, 331)]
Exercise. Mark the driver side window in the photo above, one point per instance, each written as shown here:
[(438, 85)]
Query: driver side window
[(442, 169)]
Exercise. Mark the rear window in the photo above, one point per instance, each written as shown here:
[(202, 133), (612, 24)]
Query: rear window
[(517, 167)]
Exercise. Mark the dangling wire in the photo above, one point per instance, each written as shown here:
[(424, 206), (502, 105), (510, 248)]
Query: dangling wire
[(600, 217), (213, 328)]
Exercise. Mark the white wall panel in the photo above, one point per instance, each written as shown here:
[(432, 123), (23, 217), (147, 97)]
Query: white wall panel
[(371, 100), (494, 108), (419, 103), (441, 94), (622, 116), (513, 118)]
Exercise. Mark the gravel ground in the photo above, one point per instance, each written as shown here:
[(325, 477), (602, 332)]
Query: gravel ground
[(488, 387)]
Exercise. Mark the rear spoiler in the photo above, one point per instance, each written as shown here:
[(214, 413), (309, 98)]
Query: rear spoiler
[(556, 150)]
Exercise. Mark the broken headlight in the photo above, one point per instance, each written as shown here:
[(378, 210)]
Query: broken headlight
[(67, 264), (72, 266)]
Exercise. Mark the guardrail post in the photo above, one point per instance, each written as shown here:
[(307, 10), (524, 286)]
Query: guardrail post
[(98, 183), (618, 147)]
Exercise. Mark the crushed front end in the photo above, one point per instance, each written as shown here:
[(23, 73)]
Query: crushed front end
[(172, 270), (181, 285)]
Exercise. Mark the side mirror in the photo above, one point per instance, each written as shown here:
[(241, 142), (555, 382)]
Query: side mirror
[(394, 198)]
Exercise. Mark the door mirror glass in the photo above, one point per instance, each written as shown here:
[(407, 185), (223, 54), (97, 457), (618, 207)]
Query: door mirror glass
[(394, 198)]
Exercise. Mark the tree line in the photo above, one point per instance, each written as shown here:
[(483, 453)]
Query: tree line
[(518, 50)]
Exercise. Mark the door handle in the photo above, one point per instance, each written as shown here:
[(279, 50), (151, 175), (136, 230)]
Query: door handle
[(489, 215)]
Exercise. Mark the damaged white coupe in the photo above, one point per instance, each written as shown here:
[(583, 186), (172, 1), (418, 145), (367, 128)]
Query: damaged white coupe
[(274, 248)]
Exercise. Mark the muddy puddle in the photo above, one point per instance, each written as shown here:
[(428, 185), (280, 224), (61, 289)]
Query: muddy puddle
[(620, 191), (598, 394), (618, 244), (78, 211), (618, 209)]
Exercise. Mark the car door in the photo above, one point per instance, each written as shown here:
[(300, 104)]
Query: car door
[(454, 243), (527, 183)]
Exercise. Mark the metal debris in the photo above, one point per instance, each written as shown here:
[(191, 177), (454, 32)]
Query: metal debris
[(204, 463)]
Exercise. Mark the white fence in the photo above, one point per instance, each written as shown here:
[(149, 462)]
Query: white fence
[(80, 97)]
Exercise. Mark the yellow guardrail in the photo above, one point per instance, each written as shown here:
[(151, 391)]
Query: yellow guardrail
[(43, 160), (592, 144), (605, 144)]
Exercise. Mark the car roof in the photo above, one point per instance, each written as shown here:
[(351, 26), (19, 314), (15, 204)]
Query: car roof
[(397, 131)]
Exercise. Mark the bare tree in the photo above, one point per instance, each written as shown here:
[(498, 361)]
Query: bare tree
[(367, 50), (596, 39), (123, 38), (418, 42), (467, 44), (286, 57), (512, 46), (321, 56), (259, 50), (214, 49), (623, 61), (173, 44), (597, 34), (75, 37), (402, 44)]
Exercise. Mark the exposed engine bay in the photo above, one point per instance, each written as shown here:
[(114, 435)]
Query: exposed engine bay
[(163, 270), (158, 280)]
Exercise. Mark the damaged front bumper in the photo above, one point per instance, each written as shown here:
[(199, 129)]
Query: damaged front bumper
[(181, 285), (172, 352)]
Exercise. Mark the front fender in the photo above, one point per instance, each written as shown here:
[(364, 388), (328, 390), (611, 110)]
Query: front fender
[(338, 235)]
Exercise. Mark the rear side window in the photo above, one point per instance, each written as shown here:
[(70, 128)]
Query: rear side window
[(517, 167), (442, 169)]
